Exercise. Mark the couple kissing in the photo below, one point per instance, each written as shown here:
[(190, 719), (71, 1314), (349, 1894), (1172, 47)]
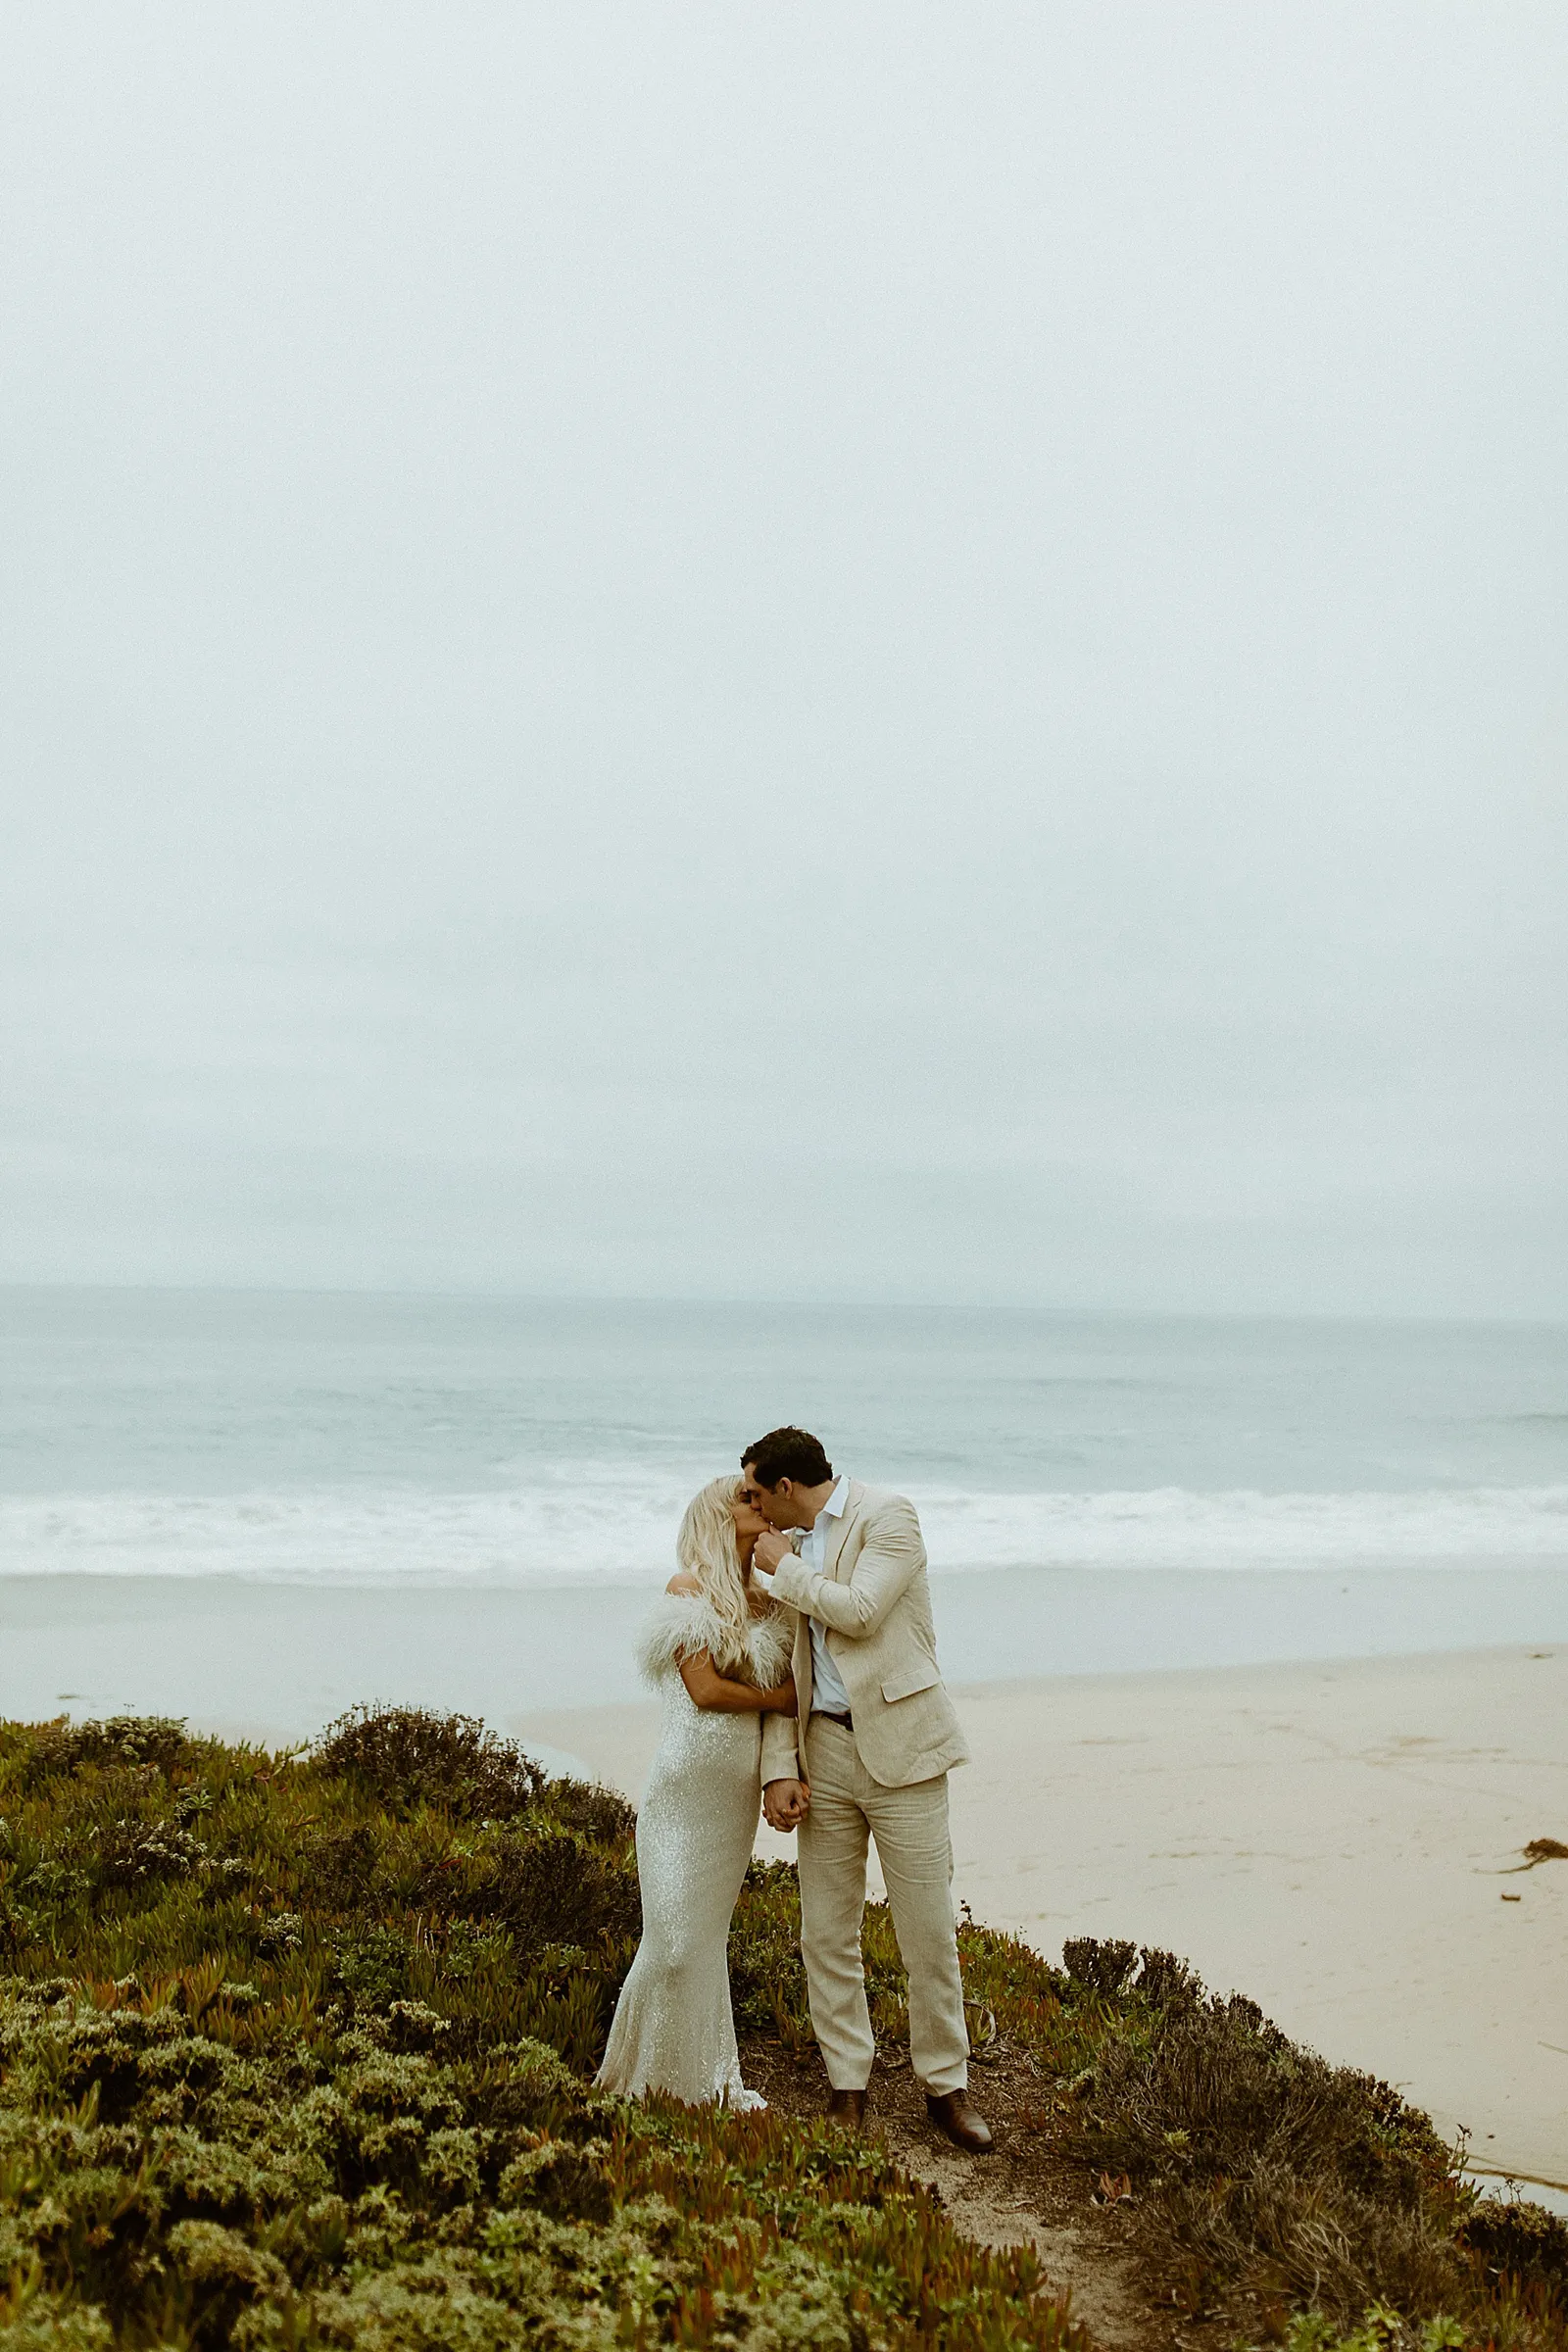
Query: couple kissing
[(796, 1659)]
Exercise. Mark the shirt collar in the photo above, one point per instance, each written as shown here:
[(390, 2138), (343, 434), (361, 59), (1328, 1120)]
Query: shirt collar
[(833, 1508)]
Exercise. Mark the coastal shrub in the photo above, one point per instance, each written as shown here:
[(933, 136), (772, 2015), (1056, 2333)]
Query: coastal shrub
[(1104, 1966), (1316, 2184), (595, 1811), (64, 1746), (295, 2052), (408, 1756), (338, 1864), (768, 1981), (31, 2321), (131, 1851), (555, 1885), (1521, 2241), (369, 2195)]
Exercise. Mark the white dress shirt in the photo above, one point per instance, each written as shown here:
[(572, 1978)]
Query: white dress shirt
[(828, 1694)]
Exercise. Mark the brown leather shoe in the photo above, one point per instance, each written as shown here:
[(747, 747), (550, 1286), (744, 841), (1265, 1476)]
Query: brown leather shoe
[(846, 2107), (963, 2125)]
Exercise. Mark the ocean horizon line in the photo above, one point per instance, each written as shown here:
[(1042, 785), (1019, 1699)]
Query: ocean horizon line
[(831, 1299)]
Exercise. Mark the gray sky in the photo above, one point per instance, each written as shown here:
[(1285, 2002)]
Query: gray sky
[(878, 650)]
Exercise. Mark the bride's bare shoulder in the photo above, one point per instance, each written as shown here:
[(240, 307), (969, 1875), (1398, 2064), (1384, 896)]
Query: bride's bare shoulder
[(682, 1583)]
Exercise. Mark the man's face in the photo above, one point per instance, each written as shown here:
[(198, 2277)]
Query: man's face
[(773, 1503)]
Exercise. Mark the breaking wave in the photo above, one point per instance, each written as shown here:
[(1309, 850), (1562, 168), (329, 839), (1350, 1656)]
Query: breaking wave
[(615, 1524)]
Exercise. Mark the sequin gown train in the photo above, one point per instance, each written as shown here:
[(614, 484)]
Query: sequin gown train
[(674, 2029)]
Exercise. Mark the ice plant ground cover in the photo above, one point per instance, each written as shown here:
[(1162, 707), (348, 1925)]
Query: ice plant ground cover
[(295, 2051)]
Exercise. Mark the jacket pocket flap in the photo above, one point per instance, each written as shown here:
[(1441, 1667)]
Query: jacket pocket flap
[(923, 1677)]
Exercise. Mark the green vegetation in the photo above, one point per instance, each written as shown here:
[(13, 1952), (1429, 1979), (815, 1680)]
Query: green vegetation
[(295, 2053)]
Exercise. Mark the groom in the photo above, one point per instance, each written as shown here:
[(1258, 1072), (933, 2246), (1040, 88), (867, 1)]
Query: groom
[(868, 1756)]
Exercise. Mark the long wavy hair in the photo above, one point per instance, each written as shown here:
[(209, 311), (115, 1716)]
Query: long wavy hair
[(705, 1548)]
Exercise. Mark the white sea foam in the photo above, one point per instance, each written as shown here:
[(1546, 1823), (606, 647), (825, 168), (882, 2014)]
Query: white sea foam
[(599, 1521)]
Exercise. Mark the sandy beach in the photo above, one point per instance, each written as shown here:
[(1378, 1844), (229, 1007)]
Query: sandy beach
[(1334, 1839)]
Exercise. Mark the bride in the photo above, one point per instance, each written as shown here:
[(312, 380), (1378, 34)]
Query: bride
[(719, 1654)]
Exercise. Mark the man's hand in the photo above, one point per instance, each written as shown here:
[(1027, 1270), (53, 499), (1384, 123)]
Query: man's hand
[(785, 1804), (771, 1547)]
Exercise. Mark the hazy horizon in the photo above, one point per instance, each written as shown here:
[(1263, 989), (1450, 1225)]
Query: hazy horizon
[(859, 653), (781, 1302)]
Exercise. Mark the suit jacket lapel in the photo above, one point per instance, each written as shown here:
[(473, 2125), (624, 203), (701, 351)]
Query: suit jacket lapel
[(839, 1527)]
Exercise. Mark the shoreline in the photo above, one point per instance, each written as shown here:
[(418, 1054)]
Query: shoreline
[(276, 1661)]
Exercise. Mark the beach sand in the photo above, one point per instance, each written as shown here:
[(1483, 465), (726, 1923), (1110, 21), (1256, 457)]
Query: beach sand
[(1334, 1839)]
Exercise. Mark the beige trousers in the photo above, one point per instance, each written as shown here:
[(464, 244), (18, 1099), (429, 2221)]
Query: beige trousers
[(911, 1828)]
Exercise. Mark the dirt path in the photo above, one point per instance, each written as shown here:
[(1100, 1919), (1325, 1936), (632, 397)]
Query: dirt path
[(1024, 2194)]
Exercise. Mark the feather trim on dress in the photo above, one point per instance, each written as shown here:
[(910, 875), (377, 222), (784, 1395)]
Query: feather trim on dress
[(772, 1642), (679, 1624)]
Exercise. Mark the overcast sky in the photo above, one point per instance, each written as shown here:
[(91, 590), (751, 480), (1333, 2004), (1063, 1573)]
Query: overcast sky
[(901, 650)]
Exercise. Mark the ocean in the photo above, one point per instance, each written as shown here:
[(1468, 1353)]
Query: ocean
[(1098, 1491)]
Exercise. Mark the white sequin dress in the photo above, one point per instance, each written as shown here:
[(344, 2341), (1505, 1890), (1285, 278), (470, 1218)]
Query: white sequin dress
[(674, 2029)]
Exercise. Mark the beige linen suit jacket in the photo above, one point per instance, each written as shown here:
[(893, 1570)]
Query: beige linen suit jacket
[(873, 1601)]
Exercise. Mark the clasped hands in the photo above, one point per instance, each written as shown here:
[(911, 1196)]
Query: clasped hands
[(769, 1548), (785, 1804)]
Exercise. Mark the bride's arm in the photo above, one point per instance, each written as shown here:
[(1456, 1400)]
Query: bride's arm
[(709, 1689), (716, 1691)]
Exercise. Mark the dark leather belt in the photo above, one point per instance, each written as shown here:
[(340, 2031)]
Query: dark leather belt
[(828, 1716)]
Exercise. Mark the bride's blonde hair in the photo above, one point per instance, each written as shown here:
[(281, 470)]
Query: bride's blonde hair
[(706, 1549)]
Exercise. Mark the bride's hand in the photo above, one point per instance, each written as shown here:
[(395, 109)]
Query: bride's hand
[(781, 1699)]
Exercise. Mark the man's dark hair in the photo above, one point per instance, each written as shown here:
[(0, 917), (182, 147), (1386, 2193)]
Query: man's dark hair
[(792, 1454)]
